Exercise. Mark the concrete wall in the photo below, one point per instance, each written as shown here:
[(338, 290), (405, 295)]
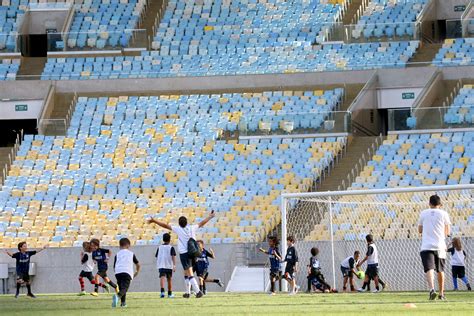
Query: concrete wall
[(364, 108), (445, 9), (57, 269), (8, 112)]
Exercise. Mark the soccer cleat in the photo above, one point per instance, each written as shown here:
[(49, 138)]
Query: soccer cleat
[(455, 289), (115, 300), (469, 287), (171, 296), (220, 283), (162, 295), (17, 295), (107, 288), (199, 294), (297, 288), (272, 293), (375, 291), (186, 295), (31, 295), (95, 294), (433, 295), (292, 293), (384, 286), (117, 290), (82, 293), (442, 297), (123, 305), (360, 290)]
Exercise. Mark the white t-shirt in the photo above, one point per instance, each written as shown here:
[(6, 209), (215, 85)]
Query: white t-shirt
[(124, 261), (184, 234), (433, 222), (88, 265), (458, 258)]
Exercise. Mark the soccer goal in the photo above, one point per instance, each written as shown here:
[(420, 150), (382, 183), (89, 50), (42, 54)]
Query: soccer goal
[(337, 223)]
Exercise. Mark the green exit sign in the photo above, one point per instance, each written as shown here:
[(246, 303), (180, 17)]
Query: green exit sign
[(21, 107), (459, 8), (408, 95)]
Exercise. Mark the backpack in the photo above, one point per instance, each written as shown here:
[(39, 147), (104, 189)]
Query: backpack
[(193, 248)]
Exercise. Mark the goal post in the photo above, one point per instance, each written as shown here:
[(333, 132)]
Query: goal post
[(337, 223)]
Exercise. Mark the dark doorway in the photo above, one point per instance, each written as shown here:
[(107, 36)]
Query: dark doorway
[(442, 30), (34, 45), (10, 128)]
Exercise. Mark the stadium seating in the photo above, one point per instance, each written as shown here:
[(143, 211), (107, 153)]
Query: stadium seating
[(389, 18), (455, 52), (9, 69), (97, 23), (197, 26), (285, 57), (462, 109), (406, 161), (128, 158)]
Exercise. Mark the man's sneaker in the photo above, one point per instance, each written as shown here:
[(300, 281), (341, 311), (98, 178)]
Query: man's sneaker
[(82, 293), (360, 290), (94, 294), (107, 288), (186, 295), (162, 295), (220, 283), (375, 291), (199, 294), (433, 295), (31, 295), (171, 296), (442, 297), (115, 300)]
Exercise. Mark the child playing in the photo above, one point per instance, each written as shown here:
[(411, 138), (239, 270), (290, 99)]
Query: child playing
[(275, 259), (372, 271), (316, 279), (458, 264), (348, 269), (22, 258), (123, 266), (291, 268), (202, 266), (166, 264), (101, 257), (87, 268)]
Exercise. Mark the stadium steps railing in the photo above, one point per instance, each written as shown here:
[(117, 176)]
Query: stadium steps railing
[(7, 156)]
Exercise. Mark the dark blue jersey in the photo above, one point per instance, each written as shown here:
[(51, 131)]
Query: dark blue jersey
[(100, 256), (274, 261), (202, 262), (23, 261), (291, 257)]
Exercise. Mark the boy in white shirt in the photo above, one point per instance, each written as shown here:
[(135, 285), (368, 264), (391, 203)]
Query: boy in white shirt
[(186, 232), (166, 264), (123, 266), (87, 268)]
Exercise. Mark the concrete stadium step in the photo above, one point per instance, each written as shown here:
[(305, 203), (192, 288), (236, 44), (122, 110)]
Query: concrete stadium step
[(248, 279), (348, 17), (425, 54), (31, 68)]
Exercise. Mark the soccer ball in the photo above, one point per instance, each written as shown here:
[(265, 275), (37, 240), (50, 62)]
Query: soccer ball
[(360, 274)]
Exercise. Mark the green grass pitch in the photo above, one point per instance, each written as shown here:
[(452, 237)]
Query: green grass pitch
[(459, 303)]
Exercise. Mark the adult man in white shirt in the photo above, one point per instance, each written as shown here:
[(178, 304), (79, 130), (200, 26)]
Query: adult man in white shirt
[(185, 232), (434, 226)]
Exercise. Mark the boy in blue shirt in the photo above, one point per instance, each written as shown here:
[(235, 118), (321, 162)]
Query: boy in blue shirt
[(275, 259), (23, 257), (101, 257), (202, 267)]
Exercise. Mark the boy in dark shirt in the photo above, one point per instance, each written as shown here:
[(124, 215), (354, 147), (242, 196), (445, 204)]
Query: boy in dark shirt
[(291, 268), (315, 277), (202, 266), (23, 257), (275, 259), (101, 257)]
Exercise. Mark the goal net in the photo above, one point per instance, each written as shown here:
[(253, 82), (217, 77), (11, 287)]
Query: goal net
[(337, 223)]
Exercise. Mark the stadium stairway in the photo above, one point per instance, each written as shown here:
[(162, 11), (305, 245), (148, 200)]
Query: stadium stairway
[(425, 54), (148, 23), (31, 68), (355, 149), (351, 12)]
